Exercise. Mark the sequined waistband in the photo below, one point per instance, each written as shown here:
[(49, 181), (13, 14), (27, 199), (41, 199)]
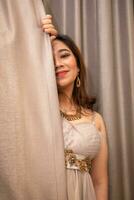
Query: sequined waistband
[(76, 161)]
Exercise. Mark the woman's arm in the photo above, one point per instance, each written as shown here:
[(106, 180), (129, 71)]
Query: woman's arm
[(48, 27), (99, 170)]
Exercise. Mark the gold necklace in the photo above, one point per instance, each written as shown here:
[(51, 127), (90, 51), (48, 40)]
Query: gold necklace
[(71, 117)]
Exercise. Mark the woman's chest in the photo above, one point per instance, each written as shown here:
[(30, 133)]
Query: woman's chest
[(82, 138)]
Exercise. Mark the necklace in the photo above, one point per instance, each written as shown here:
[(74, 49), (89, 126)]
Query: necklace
[(71, 117)]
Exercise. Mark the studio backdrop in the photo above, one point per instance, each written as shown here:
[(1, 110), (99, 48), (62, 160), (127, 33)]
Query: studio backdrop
[(104, 31)]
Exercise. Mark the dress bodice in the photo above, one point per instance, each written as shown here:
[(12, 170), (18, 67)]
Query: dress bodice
[(83, 138)]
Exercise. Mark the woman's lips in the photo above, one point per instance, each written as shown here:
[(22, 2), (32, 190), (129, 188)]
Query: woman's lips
[(61, 74)]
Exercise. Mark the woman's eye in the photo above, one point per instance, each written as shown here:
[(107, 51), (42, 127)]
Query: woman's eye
[(65, 55)]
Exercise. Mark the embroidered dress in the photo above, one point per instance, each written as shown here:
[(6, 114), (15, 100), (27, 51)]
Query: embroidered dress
[(82, 143)]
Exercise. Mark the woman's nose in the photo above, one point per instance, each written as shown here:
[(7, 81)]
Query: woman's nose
[(58, 63)]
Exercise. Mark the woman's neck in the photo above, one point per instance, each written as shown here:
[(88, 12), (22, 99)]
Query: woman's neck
[(66, 100)]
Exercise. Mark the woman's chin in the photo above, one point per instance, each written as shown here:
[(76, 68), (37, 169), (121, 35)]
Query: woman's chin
[(62, 83), (65, 83)]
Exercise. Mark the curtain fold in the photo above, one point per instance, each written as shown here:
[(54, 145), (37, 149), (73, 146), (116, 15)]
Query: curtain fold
[(116, 92), (104, 30), (31, 141)]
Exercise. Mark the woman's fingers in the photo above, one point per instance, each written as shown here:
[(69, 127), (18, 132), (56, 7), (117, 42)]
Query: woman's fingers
[(52, 38), (50, 31), (47, 25), (47, 16), (46, 21), (49, 28)]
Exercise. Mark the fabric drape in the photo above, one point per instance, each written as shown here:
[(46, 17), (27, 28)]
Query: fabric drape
[(104, 32), (31, 142)]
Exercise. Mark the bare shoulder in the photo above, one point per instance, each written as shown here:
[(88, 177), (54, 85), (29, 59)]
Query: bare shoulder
[(100, 123), (97, 118)]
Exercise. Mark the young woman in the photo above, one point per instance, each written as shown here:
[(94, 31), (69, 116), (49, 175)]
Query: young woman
[(84, 131)]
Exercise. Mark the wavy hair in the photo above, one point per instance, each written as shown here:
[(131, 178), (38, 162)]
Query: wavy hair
[(80, 96)]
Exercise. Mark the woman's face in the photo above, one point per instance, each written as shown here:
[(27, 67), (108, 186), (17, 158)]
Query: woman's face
[(65, 64)]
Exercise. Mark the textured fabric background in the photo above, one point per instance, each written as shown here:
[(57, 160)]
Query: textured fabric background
[(31, 144), (104, 30)]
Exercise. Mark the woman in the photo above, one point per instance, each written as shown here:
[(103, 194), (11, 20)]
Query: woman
[(84, 130)]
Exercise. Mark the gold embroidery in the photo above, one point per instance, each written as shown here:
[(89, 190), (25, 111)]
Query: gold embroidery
[(82, 164)]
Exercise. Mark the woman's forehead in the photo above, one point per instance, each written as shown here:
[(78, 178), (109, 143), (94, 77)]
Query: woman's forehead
[(59, 46)]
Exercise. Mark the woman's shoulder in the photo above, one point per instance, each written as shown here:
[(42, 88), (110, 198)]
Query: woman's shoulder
[(92, 113), (100, 123), (96, 117)]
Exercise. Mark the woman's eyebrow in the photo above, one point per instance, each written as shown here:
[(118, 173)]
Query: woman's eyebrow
[(61, 50)]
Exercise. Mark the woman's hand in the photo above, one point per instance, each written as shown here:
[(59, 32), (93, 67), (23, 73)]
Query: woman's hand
[(48, 27)]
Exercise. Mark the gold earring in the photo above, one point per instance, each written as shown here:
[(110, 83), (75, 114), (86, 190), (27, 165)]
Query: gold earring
[(78, 81)]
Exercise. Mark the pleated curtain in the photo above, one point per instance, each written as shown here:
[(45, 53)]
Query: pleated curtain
[(104, 31), (31, 141)]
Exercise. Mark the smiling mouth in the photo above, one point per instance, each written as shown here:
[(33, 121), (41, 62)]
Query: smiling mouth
[(61, 74)]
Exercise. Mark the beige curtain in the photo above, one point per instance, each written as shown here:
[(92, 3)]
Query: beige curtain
[(31, 143), (104, 31)]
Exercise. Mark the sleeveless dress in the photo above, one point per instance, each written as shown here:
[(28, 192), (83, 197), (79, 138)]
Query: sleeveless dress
[(83, 141)]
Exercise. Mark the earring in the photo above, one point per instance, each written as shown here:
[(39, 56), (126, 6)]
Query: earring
[(78, 81)]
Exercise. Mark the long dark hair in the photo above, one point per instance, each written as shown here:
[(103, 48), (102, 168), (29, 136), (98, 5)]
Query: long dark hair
[(80, 96)]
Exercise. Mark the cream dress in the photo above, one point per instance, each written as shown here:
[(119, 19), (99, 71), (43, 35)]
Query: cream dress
[(84, 140)]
